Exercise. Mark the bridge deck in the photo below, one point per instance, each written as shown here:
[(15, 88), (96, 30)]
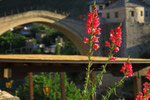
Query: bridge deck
[(22, 64), (65, 59)]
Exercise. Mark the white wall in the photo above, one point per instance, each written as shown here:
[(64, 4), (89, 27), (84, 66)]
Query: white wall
[(121, 15)]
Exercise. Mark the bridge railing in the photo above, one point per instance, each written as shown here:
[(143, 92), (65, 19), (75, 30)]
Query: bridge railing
[(12, 11)]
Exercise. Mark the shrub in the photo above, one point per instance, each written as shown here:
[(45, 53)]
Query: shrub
[(53, 80)]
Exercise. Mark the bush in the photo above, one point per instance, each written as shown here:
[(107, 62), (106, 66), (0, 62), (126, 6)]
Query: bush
[(53, 80)]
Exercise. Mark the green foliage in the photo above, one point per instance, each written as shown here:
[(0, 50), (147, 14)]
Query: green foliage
[(11, 40), (69, 48), (47, 41), (34, 41), (37, 51), (41, 28), (52, 80), (52, 34)]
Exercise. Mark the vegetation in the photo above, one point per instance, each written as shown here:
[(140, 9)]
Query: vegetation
[(52, 34), (53, 80), (14, 39), (10, 40)]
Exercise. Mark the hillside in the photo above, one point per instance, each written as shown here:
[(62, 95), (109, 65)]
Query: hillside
[(74, 7)]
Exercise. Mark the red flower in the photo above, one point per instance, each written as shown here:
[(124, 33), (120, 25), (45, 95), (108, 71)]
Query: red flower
[(112, 32), (92, 25), (95, 39), (118, 30), (95, 46), (118, 42), (115, 39), (89, 20), (116, 49), (97, 31), (113, 59), (145, 89), (108, 44), (86, 40), (96, 22), (139, 96), (147, 97), (88, 29), (127, 69), (146, 85), (148, 74)]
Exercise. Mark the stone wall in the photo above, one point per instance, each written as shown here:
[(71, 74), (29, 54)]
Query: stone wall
[(137, 16), (113, 19), (138, 39), (105, 37)]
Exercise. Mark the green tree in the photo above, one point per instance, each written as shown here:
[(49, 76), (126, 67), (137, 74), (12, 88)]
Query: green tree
[(53, 80), (10, 40)]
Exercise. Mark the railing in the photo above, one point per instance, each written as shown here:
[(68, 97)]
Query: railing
[(16, 10)]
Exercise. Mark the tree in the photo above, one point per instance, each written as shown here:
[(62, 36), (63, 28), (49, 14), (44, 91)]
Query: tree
[(11, 40), (53, 80)]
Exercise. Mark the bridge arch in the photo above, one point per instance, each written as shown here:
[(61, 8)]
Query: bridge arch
[(72, 29)]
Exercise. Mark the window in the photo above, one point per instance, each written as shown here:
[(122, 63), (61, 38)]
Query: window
[(116, 14), (108, 15), (132, 13), (141, 13), (99, 14), (100, 7), (146, 13)]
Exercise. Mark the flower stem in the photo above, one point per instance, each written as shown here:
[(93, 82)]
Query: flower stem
[(89, 65), (98, 77), (113, 89)]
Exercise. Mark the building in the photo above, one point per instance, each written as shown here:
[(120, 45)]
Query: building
[(40, 36), (127, 10), (26, 30), (135, 18), (29, 45), (123, 10), (100, 5)]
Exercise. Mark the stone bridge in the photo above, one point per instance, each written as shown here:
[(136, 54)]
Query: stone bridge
[(73, 29)]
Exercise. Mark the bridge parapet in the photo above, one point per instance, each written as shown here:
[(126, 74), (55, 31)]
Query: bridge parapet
[(73, 29)]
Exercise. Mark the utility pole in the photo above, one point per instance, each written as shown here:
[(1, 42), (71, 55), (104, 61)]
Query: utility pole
[(31, 86), (62, 83)]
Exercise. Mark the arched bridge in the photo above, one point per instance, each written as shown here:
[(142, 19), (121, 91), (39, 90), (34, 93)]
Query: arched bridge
[(73, 29)]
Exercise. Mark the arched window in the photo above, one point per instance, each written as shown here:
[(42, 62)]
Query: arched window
[(116, 14)]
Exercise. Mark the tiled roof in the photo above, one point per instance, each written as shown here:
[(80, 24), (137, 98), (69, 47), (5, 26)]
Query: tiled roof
[(127, 3), (97, 1)]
